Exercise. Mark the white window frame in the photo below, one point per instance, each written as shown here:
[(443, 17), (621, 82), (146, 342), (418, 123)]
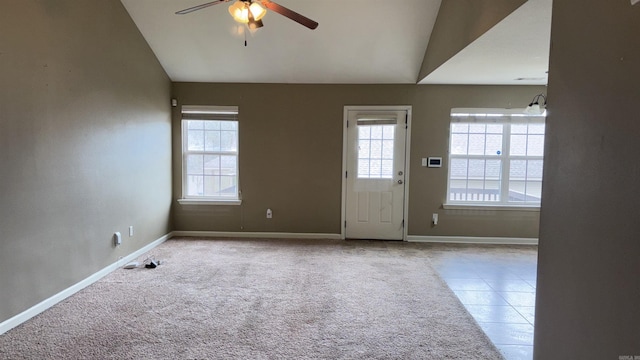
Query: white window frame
[(492, 115), (225, 113)]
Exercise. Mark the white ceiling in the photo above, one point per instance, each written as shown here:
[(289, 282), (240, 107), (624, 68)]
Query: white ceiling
[(357, 42), (514, 51)]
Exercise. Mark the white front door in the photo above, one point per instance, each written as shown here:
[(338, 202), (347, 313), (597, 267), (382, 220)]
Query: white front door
[(375, 174)]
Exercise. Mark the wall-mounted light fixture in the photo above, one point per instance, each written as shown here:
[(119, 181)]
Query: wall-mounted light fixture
[(535, 107)]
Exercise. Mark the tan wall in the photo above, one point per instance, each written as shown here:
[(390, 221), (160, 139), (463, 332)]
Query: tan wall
[(84, 143), (291, 156), (459, 23), (589, 254)]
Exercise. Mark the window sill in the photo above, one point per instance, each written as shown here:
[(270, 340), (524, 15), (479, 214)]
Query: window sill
[(491, 207), (209, 202)]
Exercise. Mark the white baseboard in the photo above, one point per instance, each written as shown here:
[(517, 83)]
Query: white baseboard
[(473, 240), (47, 303), (265, 235)]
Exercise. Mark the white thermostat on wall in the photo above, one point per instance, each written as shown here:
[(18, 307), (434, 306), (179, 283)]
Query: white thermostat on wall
[(434, 161)]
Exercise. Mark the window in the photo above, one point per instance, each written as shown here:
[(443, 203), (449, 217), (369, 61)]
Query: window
[(495, 158), (375, 149), (210, 155)]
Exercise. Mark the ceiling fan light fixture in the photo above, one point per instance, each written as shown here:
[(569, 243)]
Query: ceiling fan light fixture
[(257, 11), (239, 11), (242, 12), (253, 23)]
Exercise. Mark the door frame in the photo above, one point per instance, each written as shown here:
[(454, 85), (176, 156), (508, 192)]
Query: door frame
[(407, 158)]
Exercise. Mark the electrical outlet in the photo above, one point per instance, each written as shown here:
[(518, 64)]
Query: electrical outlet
[(131, 231), (117, 239), (269, 214), (434, 218)]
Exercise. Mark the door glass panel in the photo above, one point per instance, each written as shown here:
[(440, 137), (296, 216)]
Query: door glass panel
[(375, 151)]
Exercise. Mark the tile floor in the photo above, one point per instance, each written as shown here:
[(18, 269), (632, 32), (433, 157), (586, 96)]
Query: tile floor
[(497, 285)]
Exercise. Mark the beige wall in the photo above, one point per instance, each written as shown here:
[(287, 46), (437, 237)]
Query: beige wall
[(291, 156), (459, 23), (589, 254), (84, 143)]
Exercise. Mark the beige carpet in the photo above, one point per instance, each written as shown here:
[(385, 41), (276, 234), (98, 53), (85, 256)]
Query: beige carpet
[(261, 299)]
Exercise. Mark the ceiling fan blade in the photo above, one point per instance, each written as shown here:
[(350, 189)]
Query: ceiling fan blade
[(290, 14), (201, 6)]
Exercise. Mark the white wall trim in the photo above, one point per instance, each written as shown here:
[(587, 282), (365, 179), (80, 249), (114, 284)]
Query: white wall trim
[(53, 300), (473, 240), (266, 235)]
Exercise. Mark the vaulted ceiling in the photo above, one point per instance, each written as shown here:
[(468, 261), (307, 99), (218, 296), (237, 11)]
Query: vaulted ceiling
[(357, 42)]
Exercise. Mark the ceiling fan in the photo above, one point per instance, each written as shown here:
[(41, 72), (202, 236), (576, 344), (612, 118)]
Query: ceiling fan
[(251, 12)]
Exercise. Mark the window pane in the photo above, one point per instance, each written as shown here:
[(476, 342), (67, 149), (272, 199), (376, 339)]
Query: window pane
[(387, 169), (228, 165), (195, 185), (476, 169), (517, 191), (195, 140), (458, 168), (525, 184), (364, 132), (536, 145), (459, 128), (228, 141), (459, 143), (457, 190), (494, 145), (375, 168), (364, 147), (387, 149), (376, 149), (477, 128), (534, 170), (534, 191), (195, 164), (518, 145), (195, 124), (388, 132), (475, 190), (228, 125), (211, 185), (493, 169), (376, 132), (492, 190), (494, 128), (476, 144), (518, 170), (211, 164), (212, 125), (518, 128), (228, 185), (212, 141), (536, 129), (363, 168)]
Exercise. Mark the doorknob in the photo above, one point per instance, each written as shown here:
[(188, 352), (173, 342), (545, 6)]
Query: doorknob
[(399, 181)]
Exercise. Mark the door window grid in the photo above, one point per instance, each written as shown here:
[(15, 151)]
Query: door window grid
[(481, 171), (375, 151)]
